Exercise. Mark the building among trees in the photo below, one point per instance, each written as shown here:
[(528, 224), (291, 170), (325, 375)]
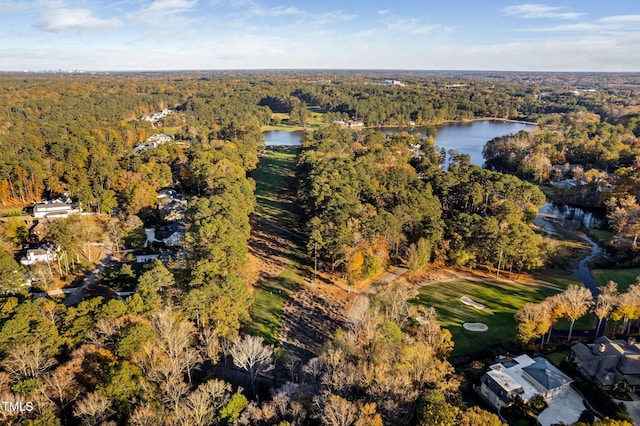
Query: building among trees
[(611, 363), (522, 377)]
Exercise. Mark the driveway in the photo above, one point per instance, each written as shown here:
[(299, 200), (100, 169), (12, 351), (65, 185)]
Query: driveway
[(563, 409), (633, 408)]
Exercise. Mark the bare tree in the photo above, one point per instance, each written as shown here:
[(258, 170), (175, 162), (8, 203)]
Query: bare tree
[(250, 354), (93, 409), (27, 361), (61, 387), (396, 302), (201, 406), (605, 303), (314, 368), (144, 415), (338, 411), (175, 338), (211, 345), (574, 302)]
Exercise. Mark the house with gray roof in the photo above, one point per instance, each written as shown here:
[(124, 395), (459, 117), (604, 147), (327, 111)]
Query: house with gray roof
[(525, 377), (611, 363)]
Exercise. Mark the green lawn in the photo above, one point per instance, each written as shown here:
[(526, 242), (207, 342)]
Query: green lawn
[(555, 278), (11, 211), (556, 357), (270, 298), (501, 299), (276, 203), (602, 236), (315, 120), (624, 277), (275, 187)]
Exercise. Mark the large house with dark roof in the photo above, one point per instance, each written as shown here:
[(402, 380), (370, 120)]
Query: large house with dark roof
[(524, 377), (611, 363)]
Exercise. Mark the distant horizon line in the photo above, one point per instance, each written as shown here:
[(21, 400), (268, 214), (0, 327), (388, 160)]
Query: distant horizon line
[(309, 70)]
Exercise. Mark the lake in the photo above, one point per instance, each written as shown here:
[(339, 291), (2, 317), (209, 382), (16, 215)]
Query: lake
[(466, 138)]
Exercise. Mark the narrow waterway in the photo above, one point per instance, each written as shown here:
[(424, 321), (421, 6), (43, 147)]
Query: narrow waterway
[(551, 215), (583, 272)]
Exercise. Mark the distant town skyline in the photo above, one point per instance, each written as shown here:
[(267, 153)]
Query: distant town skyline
[(137, 35)]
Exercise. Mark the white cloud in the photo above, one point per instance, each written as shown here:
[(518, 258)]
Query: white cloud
[(578, 27), (274, 11), (6, 7), (159, 13), (74, 19), (414, 26), (535, 11), (169, 7), (620, 19), (383, 12), (596, 53), (618, 23)]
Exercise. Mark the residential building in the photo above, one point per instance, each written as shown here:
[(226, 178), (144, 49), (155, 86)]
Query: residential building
[(611, 363), (61, 207), (522, 376), (45, 253)]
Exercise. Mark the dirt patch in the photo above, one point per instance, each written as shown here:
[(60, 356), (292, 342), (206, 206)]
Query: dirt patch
[(267, 253), (310, 318)]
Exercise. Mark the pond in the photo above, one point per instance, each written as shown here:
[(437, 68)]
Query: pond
[(466, 138)]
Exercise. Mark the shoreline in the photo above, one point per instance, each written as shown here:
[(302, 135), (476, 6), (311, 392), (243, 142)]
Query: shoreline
[(401, 126)]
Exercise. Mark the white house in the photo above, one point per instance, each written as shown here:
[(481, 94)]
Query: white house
[(61, 207), (144, 258), (152, 142), (38, 255), (525, 377)]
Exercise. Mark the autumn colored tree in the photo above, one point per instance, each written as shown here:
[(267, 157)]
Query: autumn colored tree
[(574, 302), (605, 303), (627, 307)]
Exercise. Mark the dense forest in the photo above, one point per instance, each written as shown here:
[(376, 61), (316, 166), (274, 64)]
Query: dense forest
[(166, 341)]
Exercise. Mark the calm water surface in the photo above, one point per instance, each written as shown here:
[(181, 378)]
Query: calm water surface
[(466, 138)]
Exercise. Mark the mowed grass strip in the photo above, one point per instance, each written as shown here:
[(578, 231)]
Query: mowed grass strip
[(276, 188), (276, 203), (556, 278), (502, 300), (269, 301), (624, 277)]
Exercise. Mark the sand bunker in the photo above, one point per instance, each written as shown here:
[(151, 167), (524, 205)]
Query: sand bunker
[(475, 326), (467, 301)]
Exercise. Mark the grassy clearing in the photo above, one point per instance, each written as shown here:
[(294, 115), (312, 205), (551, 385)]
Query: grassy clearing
[(557, 356), (276, 187), (601, 236), (624, 277), (270, 298), (555, 278), (315, 120), (12, 211), (276, 203), (282, 128), (501, 299)]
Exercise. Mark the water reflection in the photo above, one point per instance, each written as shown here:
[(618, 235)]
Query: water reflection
[(579, 216)]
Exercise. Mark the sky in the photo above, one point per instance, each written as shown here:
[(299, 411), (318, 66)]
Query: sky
[(131, 35)]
